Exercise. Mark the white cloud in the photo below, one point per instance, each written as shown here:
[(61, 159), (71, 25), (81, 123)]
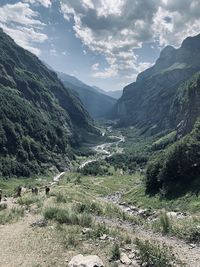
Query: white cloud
[(45, 3), (22, 24), (95, 67), (114, 28)]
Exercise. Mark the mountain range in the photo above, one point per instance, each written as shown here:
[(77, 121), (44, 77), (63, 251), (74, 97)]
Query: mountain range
[(94, 99)]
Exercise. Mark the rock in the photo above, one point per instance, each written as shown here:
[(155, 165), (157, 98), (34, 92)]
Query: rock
[(124, 259), (86, 230), (103, 237), (39, 223), (192, 246), (86, 261), (172, 214)]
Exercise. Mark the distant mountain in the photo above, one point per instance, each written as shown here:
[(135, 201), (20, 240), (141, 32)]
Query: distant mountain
[(151, 102), (40, 120), (115, 94), (96, 103)]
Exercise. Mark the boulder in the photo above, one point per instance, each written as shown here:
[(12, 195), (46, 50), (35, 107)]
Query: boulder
[(86, 261), (125, 259)]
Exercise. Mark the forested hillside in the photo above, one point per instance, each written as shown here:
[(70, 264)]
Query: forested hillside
[(40, 119)]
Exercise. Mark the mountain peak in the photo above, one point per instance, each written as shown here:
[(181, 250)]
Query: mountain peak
[(191, 42)]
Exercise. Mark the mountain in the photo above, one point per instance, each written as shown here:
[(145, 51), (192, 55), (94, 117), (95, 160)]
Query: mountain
[(114, 94), (40, 119), (150, 102), (96, 103)]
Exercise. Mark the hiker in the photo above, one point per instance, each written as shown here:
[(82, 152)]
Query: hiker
[(36, 191), (19, 191), (33, 190), (0, 195), (47, 190)]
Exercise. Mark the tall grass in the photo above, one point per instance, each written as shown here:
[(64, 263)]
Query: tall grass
[(67, 216)]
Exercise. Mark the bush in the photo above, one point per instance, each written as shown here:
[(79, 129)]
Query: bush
[(165, 223), (115, 252), (155, 255), (89, 207)]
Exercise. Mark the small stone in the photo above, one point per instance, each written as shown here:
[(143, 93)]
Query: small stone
[(86, 261), (192, 246), (124, 259), (103, 237), (86, 230)]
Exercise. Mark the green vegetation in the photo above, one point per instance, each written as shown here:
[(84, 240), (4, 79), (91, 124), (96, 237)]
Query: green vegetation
[(11, 216), (40, 119), (115, 252), (155, 255), (176, 170), (67, 216)]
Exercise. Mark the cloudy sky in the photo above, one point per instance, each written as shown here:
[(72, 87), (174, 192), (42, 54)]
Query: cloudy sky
[(102, 42)]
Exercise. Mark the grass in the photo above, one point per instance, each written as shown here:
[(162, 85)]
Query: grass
[(11, 216), (29, 199), (153, 254), (67, 216), (8, 186)]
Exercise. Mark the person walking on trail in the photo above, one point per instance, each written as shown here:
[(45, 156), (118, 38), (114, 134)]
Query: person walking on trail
[(19, 191), (0, 195), (47, 190)]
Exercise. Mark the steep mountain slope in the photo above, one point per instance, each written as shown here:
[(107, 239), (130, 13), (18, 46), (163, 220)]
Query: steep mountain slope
[(40, 119), (149, 102), (96, 103)]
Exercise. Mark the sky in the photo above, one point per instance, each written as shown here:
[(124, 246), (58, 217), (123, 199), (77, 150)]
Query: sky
[(102, 42)]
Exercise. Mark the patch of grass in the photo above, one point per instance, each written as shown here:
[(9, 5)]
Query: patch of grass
[(11, 216), (3, 206), (8, 186), (67, 216), (155, 255), (61, 197), (115, 252), (165, 223), (28, 200), (97, 231), (92, 207)]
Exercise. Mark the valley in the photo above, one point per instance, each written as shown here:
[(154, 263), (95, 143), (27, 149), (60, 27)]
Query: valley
[(110, 178), (99, 215)]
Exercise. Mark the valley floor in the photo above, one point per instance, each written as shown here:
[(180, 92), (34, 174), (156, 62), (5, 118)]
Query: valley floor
[(29, 240)]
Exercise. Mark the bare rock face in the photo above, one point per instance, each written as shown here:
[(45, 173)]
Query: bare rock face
[(86, 261)]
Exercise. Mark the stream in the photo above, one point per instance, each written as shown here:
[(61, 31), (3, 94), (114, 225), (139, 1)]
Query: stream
[(104, 150)]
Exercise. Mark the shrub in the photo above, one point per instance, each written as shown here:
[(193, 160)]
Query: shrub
[(155, 255), (165, 223), (89, 207), (115, 252)]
